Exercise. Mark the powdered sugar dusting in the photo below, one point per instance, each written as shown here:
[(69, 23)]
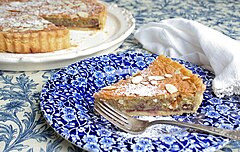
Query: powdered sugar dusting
[(142, 90)]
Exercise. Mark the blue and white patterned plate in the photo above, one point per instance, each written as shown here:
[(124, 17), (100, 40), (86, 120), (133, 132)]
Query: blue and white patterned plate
[(67, 104)]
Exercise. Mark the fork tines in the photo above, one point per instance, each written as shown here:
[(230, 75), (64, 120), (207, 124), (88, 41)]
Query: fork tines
[(112, 115)]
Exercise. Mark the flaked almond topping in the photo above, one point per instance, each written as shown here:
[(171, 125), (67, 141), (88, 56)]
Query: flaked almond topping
[(109, 88), (83, 14), (23, 30), (155, 78), (137, 79), (155, 100), (16, 24), (26, 25), (120, 101), (67, 2), (6, 29), (82, 6), (45, 22), (37, 28), (145, 82), (168, 75), (154, 82), (185, 78), (171, 88)]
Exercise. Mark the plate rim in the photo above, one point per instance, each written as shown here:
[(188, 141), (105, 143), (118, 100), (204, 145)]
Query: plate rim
[(224, 142)]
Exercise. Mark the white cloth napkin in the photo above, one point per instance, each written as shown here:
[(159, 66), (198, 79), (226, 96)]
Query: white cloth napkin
[(199, 44)]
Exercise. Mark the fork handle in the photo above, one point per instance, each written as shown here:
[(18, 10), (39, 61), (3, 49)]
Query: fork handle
[(232, 134)]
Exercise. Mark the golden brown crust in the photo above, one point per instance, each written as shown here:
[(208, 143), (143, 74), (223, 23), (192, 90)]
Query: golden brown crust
[(34, 42), (164, 88)]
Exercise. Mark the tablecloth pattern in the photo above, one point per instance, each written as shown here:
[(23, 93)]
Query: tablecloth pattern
[(22, 125)]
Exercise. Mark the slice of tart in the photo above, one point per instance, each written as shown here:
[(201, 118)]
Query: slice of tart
[(164, 88)]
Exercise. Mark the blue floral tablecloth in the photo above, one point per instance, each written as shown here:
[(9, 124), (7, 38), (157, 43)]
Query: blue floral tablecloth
[(22, 125)]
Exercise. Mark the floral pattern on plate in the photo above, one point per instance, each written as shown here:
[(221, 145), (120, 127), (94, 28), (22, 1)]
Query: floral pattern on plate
[(67, 103)]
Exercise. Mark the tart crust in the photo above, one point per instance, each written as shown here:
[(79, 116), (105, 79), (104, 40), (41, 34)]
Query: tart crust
[(34, 42), (164, 88)]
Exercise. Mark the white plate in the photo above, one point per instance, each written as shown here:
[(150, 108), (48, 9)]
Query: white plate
[(119, 26)]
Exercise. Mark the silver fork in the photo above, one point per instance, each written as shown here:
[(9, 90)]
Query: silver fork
[(136, 126)]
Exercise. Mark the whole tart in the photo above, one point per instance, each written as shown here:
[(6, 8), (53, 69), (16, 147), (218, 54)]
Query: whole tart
[(42, 26), (164, 88)]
